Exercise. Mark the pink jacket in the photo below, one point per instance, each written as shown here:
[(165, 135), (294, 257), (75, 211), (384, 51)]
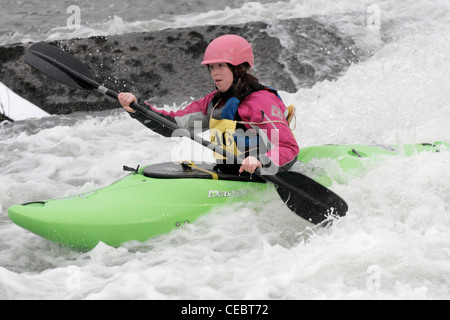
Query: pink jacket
[(261, 111)]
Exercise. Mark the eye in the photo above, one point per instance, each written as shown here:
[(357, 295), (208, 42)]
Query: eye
[(211, 67)]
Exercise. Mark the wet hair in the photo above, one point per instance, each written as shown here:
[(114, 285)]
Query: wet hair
[(244, 82)]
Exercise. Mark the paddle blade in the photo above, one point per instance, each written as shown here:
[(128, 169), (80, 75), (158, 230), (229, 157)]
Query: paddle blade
[(57, 64), (308, 198)]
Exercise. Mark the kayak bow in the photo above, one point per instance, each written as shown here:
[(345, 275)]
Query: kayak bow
[(159, 198)]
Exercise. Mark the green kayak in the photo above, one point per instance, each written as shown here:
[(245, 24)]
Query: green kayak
[(158, 198)]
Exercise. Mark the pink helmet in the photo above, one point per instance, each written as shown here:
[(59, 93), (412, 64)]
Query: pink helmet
[(230, 49)]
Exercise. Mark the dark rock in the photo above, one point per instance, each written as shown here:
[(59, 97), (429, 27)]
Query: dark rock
[(164, 66)]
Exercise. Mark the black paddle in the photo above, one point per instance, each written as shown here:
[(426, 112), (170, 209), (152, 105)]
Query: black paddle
[(304, 196)]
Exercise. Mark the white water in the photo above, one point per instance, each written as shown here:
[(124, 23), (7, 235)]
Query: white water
[(394, 243)]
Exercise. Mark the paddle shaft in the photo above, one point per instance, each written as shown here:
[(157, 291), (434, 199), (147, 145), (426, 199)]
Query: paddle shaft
[(89, 83), (152, 115)]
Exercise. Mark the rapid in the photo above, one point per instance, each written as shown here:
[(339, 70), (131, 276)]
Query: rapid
[(394, 242)]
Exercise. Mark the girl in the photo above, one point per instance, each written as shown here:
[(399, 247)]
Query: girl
[(243, 116)]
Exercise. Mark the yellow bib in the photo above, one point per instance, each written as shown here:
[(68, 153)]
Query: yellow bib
[(221, 133)]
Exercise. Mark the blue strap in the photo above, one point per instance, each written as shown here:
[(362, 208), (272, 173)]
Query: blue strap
[(230, 108), (244, 142), (275, 92)]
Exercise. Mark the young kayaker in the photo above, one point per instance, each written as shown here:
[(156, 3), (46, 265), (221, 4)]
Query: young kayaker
[(243, 116)]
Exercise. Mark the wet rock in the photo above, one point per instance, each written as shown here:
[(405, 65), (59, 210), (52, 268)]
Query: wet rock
[(163, 67)]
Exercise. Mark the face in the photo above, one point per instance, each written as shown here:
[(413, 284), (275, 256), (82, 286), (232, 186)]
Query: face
[(222, 76)]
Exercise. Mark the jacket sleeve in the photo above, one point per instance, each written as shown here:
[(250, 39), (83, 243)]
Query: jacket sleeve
[(193, 116), (265, 113)]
